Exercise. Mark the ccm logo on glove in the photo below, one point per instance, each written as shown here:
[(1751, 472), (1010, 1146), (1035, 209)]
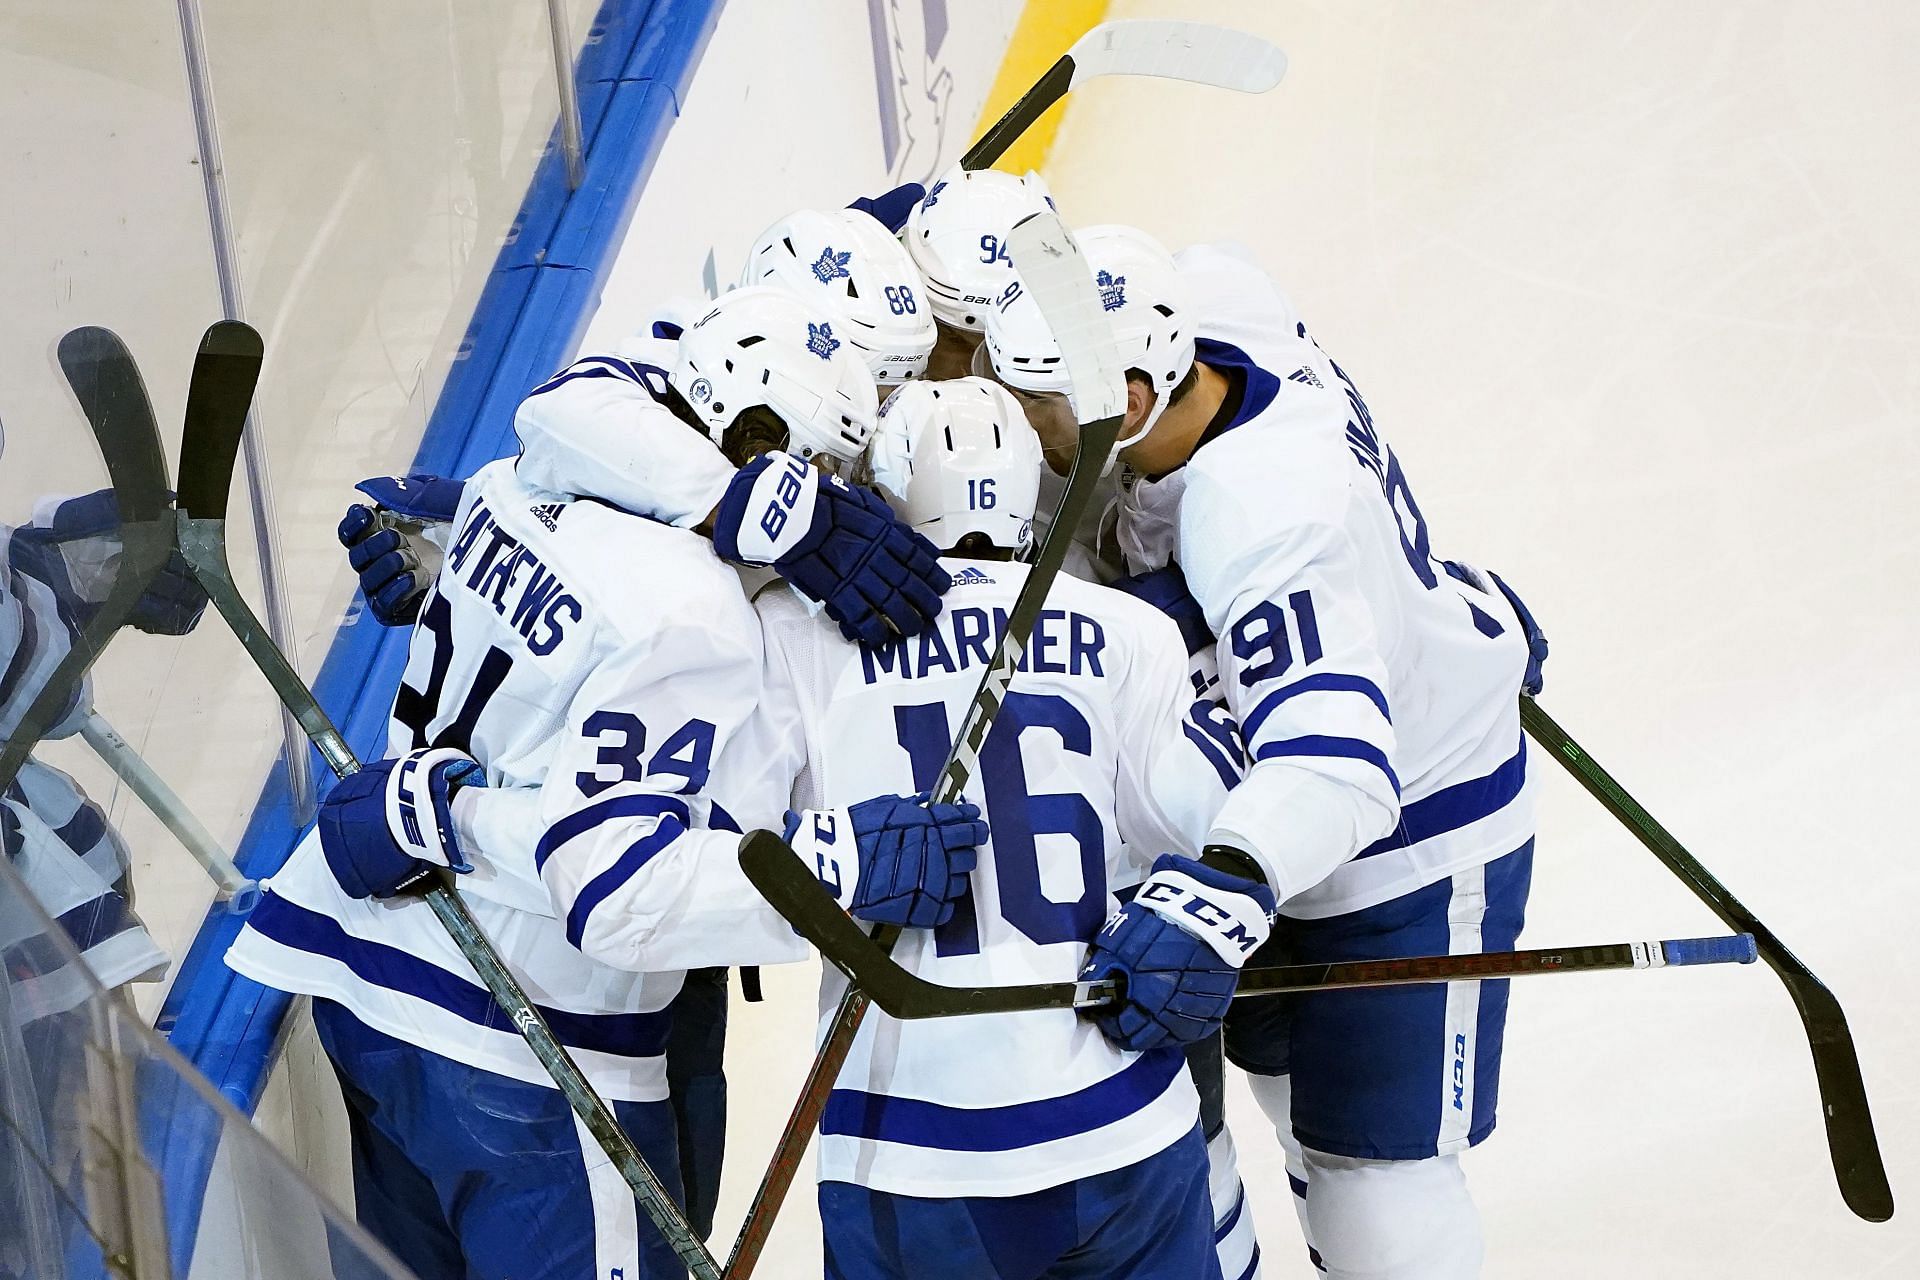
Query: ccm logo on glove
[(1233, 936)]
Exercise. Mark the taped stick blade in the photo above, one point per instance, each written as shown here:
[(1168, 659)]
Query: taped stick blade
[(225, 372), (1198, 52), (1055, 275)]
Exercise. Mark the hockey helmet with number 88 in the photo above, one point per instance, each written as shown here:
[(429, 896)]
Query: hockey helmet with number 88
[(847, 262), (767, 347), (958, 458)]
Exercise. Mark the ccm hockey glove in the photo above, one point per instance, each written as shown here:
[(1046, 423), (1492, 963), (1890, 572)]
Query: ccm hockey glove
[(838, 544), (381, 827), (1176, 951), (389, 554), (892, 859)]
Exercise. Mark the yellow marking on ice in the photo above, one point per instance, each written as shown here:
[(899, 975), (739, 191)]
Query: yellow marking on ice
[(1047, 28)]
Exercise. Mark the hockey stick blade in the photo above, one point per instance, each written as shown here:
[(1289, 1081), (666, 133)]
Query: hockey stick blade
[(793, 890), (1851, 1140), (224, 377), (1196, 52), (113, 397)]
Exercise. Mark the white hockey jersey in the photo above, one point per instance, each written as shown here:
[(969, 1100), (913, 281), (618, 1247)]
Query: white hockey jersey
[(1100, 760), (1376, 689), (600, 666)]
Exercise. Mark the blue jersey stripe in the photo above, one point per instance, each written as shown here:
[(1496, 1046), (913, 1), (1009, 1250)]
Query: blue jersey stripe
[(1324, 682), (918, 1123), (604, 885), (1451, 808), (584, 820), (1341, 748), (633, 1035), (1227, 1224), (1229, 776)]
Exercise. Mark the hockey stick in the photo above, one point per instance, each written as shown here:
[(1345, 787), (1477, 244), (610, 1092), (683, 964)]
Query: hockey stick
[(113, 397), (1053, 271), (131, 768), (1836, 1065), (1172, 50), (224, 375), (784, 880)]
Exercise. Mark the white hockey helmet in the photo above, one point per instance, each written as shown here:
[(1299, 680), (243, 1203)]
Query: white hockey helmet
[(958, 457), (957, 235), (765, 346), (847, 262), (1145, 300)]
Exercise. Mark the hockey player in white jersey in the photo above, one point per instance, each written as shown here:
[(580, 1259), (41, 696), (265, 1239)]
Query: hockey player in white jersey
[(1387, 806), (1019, 1144), (585, 674)]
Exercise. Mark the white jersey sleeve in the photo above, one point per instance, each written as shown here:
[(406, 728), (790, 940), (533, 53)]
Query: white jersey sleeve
[(600, 428), (1300, 666), (642, 862)]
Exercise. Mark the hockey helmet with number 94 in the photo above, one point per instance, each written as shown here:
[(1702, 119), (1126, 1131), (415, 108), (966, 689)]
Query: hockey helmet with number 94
[(847, 262), (958, 458), (766, 347), (1140, 290), (957, 235)]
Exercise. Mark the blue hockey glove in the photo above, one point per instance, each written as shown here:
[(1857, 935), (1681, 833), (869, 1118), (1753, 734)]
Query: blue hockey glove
[(381, 827), (1535, 680), (388, 561), (1166, 590), (891, 859), (75, 549), (891, 208), (840, 545), (1176, 951)]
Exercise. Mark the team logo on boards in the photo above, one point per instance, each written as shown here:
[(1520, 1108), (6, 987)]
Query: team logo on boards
[(1306, 375), (832, 266), (1113, 290), (820, 340), (970, 577)]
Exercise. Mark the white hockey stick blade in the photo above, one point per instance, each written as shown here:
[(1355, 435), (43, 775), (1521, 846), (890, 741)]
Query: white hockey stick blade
[(1196, 51), (1054, 272)]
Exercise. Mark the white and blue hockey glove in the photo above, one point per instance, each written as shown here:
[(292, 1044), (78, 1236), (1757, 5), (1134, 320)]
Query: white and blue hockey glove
[(1176, 950), (891, 208), (73, 546), (389, 562), (382, 827), (840, 545), (892, 859)]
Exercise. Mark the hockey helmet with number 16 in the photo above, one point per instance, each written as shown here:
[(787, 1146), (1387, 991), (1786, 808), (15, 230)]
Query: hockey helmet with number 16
[(847, 262), (1145, 301), (766, 347), (958, 458), (957, 235)]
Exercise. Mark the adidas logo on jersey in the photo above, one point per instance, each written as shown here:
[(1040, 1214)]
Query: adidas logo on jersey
[(548, 513), (1306, 375), (970, 577)]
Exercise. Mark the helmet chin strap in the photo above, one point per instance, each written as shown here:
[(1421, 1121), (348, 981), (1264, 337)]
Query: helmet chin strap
[(1159, 405)]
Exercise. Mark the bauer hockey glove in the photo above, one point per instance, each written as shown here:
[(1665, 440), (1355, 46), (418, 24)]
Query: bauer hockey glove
[(892, 859), (840, 545), (381, 827), (388, 554), (1176, 951), (891, 208), (73, 546)]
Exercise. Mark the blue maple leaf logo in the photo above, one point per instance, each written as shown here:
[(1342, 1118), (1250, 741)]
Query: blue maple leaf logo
[(820, 340), (832, 266), (933, 196), (1113, 290)]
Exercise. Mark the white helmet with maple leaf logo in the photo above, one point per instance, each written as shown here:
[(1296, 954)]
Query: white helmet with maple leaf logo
[(957, 235)]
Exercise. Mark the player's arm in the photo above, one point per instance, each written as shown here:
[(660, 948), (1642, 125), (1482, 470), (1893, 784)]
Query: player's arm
[(1302, 672)]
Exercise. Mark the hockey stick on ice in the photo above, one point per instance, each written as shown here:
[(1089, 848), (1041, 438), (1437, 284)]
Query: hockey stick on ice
[(113, 397), (132, 768), (1055, 274), (1172, 50), (224, 375), (784, 880), (1836, 1065)]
